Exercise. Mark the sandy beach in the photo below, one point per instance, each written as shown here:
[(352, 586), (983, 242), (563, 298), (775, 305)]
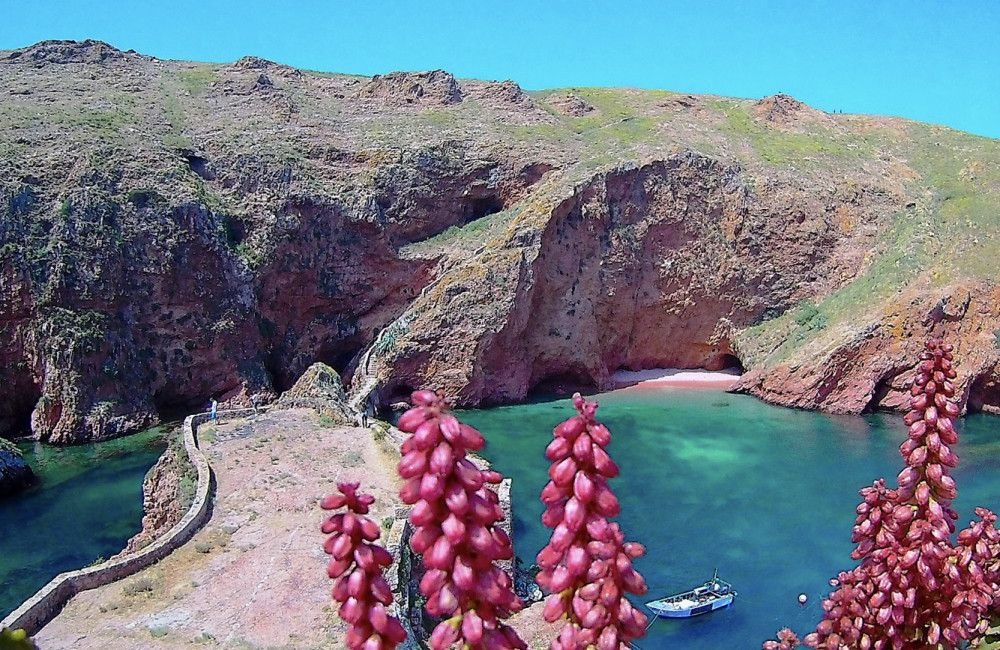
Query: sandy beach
[(679, 378)]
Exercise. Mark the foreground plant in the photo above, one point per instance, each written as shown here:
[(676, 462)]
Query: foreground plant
[(587, 564), (356, 567), (15, 640), (914, 588), (787, 640), (454, 517)]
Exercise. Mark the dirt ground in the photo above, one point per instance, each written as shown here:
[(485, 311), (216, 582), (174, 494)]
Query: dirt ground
[(254, 577)]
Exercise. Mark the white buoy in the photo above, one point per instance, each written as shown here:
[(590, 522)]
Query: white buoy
[(802, 599)]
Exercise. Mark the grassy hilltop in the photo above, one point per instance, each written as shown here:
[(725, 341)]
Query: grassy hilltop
[(221, 226)]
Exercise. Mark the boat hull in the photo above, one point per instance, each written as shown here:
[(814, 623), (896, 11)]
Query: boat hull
[(667, 612)]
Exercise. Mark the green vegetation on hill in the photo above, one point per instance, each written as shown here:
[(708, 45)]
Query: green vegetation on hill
[(126, 158)]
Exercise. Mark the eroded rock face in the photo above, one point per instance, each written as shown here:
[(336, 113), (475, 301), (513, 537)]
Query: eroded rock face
[(321, 389), (656, 266), (230, 225), (872, 368), (570, 104), (15, 474), (402, 88), (167, 492), (63, 52)]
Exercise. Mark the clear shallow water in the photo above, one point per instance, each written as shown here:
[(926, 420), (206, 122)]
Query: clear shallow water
[(87, 504), (711, 480)]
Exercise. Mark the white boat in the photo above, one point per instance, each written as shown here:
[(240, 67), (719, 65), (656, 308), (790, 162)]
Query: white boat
[(714, 594)]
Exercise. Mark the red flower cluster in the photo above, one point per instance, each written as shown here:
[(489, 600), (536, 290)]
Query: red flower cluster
[(454, 516), (787, 640), (914, 588), (357, 568), (587, 565)]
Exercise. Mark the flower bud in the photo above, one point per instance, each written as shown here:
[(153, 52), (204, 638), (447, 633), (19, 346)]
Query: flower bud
[(583, 449), (424, 398), (442, 458), (445, 635), (558, 449), (600, 434), (555, 607), (413, 418), (571, 428), (427, 435), (472, 628)]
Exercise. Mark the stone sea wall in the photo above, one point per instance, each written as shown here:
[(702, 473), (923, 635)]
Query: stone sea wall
[(35, 612), (38, 610)]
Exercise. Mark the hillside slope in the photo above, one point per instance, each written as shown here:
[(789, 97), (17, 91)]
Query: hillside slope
[(175, 231)]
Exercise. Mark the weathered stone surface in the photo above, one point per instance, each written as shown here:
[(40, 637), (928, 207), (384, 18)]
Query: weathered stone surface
[(177, 231), (571, 104), (655, 266), (871, 368), (15, 474), (402, 88), (167, 491), (319, 388), (64, 52)]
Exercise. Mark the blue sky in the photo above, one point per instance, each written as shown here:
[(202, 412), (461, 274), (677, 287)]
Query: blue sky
[(933, 61)]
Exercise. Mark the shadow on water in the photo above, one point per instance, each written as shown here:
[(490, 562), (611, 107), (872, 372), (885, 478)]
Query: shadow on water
[(712, 480), (86, 505)]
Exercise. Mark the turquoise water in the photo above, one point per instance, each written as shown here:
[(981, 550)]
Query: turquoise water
[(711, 480), (87, 504)]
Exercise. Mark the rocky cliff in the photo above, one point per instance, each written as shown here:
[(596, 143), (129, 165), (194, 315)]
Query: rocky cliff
[(177, 231)]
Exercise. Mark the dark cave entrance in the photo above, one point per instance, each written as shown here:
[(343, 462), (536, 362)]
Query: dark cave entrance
[(984, 395), (389, 399), (562, 384), (343, 358), (731, 362), (882, 389), (199, 166), (482, 207), (15, 415)]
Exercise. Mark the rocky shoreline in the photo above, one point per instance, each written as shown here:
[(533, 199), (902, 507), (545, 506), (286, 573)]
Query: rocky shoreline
[(167, 491), (15, 473)]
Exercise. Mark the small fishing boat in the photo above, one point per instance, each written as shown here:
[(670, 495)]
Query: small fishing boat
[(714, 594)]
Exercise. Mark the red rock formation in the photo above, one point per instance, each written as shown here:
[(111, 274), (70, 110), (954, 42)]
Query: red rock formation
[(229, 225), (420, 88), (869, 368), (658, 266)]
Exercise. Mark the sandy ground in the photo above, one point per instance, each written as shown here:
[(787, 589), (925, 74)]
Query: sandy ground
[(660, 377), (255, 575)]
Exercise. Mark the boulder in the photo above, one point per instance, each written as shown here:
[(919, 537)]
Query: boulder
[(320, 388), (15, 474)]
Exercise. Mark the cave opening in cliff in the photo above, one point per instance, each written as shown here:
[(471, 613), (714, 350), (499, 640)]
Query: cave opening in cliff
[(882, 389), (562, 384), (15, 415), (984, 394), (732, 362), (19, 424), (199, 166), (482, 207), (342, 358), (392, 397)]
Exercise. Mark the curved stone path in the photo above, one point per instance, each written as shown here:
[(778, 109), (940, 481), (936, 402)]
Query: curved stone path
[(46, 603), (254, 576)]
